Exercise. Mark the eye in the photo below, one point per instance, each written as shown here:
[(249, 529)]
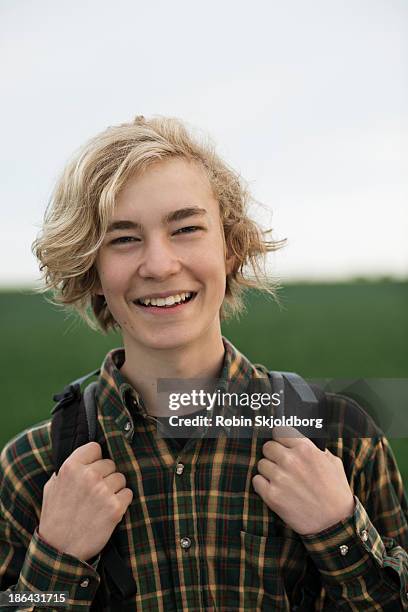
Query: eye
[(188, 230), (124, 240)]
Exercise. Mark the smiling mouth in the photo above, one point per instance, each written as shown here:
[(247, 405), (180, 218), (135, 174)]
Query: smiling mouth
[(166, 303)]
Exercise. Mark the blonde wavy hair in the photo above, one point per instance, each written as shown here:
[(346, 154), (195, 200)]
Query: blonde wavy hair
[(82, 203)]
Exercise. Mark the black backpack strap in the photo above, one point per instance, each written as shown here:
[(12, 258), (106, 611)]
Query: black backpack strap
[(310, 396), (69, 425), (91, 410), (321, 412), (292, 388), (74, 423)]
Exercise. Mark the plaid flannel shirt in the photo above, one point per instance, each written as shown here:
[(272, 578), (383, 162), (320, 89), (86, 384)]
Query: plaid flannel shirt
[(196, 536)]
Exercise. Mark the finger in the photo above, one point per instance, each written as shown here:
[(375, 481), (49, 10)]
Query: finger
[(274, 451), (266, 468), (125, 496), (287, 436), (260, 485), (87, 453), (115, 482), (104, 467)]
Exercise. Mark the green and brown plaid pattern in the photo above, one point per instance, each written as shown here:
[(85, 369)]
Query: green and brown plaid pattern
[(197, 537)]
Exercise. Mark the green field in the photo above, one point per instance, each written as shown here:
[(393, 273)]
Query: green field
[(348, 330)]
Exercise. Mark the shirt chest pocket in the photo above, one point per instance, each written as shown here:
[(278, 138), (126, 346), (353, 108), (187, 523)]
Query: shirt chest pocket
[(267, 564)]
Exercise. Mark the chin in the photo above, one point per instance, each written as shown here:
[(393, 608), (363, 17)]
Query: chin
[(170, 340)]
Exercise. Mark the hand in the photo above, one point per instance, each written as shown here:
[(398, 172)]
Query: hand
[(84, 503), (305, 486)]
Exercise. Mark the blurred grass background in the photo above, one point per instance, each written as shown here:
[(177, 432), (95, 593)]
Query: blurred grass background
[(343, 330)]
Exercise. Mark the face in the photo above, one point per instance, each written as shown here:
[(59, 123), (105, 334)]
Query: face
[(162, 266)]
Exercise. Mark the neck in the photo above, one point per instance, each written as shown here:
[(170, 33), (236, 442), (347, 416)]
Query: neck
[(143, 367)]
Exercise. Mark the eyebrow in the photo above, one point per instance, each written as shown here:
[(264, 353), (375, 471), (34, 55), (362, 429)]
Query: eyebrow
[(175, 215)]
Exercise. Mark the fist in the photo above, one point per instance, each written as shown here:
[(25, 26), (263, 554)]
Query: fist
[(305, 486), (84, 503)]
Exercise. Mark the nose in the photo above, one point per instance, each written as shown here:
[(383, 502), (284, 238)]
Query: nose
[(159, 259)]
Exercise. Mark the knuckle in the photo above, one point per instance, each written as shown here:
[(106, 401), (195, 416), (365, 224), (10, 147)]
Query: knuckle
[(67, 469), (117, 516), (92, 476), (122, 480), (95, 447), (276, 477), (305, 448), (90, 450), (110, 464), (289, 460), (113, 506), (261, 464), (332, 457), (100, 488)]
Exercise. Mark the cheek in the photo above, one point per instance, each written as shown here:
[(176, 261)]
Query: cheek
[(211, 268), (111, 277)]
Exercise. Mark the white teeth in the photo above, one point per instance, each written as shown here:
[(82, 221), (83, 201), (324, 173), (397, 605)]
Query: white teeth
[(168, 301)]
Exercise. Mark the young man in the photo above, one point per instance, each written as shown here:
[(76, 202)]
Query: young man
[(150, 229)]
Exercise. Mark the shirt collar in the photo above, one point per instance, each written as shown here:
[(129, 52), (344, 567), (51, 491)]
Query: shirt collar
[(114, 393)]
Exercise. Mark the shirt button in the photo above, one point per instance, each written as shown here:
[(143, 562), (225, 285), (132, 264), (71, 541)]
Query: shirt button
[(179, 468), (85, 582), (185, 543), (128, 426), (344, 549), (364, 535)]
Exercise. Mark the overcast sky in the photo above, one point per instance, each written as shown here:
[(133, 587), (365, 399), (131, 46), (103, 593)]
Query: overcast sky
[(307, 100)]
